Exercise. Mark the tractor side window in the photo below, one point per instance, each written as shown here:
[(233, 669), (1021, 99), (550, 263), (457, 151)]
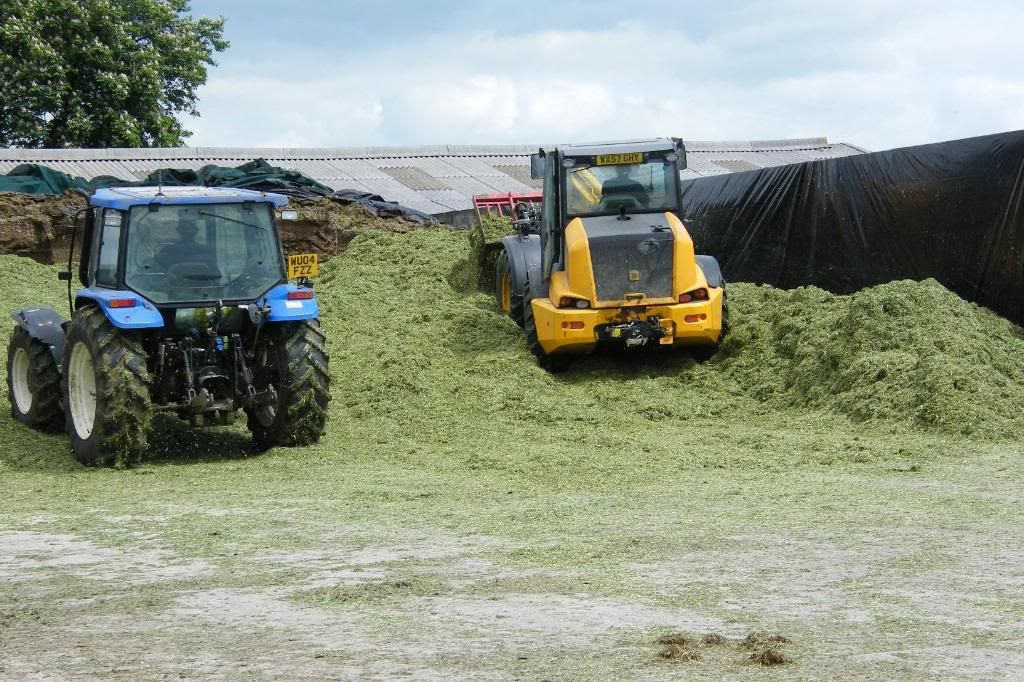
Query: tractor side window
[(109, 248)]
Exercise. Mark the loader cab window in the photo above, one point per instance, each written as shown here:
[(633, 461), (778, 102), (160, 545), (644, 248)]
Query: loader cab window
[(203, 252), (108, 248), (596, 187)]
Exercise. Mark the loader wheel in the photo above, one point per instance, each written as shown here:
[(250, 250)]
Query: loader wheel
[(507, 299), (106, 391), (552, 363), (33, 383), (291, 358)]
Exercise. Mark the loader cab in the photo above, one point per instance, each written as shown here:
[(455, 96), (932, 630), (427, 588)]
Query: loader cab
[(183, 246), (593, 180)]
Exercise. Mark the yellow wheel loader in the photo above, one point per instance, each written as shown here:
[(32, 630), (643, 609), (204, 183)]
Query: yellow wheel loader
[(606, 262)]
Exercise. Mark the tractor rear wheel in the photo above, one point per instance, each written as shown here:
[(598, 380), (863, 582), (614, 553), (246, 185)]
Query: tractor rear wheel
[(33, 383), (291, 358), (508, 300), (552, 363), (106, 391)]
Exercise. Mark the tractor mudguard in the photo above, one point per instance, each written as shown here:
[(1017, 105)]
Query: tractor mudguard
[(712, 272), (43, 324), (524, 259), (285, 309), (143, 315)]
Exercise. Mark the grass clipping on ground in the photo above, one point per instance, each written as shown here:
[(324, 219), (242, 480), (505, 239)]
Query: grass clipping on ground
[(416, 346)]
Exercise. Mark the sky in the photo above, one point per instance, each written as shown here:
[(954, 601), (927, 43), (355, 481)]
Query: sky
[(878, 74)]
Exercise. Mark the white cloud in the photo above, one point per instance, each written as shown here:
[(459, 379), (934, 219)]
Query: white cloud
[(873, 73)]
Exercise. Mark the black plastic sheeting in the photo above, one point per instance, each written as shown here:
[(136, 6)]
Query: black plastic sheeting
[(256, 175), (953, 211)]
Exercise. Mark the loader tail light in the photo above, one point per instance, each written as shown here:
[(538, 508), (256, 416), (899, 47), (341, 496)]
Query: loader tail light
[(572, 325), (692, 319), (300, 295), (123, 302), (695, 295), (569, 302)]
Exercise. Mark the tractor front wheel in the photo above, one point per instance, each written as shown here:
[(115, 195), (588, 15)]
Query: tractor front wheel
[(291, 359), (33, 383), (106, 391)]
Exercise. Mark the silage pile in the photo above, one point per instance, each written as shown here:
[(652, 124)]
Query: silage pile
[(37, 226), (416, 343), (418, 353)]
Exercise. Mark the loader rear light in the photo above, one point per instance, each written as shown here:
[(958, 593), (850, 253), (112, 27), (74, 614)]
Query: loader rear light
[(123, 302), (572, 325), (695, 295), (300, 295), (569, 302), (691, 319)]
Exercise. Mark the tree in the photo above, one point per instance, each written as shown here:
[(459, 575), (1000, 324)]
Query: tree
[(101, 73)]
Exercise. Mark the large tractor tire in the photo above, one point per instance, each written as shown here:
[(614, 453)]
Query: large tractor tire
[(292, 358), (33, 383), (507, 298), (106, 391), (552, 363)]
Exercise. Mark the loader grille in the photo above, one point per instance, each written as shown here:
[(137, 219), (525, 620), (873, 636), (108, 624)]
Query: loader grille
[(630, 259)]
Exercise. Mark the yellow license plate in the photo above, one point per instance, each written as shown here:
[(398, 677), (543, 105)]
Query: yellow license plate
[(619, 159), (304, 265)]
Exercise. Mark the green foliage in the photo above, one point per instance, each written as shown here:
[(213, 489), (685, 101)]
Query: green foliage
[(100, 73)]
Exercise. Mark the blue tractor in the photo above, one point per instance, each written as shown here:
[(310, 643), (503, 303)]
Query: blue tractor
[(187, 308)]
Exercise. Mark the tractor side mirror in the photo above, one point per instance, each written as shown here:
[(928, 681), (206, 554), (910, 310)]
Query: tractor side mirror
[(289, 214)]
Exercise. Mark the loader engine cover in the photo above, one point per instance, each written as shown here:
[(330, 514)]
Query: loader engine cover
[(631, 255)]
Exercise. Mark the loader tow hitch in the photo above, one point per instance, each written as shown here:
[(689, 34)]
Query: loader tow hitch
[(633, 334)]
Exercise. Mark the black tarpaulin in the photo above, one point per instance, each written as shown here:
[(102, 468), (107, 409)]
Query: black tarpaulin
[(256, 175), (953, 211)]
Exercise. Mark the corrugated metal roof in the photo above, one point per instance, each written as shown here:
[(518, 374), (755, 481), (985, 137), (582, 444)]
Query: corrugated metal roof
[(431, 178)]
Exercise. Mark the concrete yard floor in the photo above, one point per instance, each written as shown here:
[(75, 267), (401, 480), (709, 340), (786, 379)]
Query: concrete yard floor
[(329, 562)]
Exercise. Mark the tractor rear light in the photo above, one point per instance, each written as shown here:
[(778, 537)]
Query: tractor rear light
[(123, 302), (300, 295), (572, 325)]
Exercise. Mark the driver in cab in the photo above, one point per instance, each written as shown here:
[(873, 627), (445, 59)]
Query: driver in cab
[(622, 184), (186, 249)]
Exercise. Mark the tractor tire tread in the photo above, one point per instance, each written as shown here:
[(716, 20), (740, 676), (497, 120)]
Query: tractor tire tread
[(124, 410), (44, 382), (304, 387)]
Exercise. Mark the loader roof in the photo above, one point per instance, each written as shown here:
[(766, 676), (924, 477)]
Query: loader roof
[(126, 197), (595, 148)]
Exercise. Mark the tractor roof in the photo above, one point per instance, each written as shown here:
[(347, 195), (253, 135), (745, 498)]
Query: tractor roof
[(126, 197), (595, 148)]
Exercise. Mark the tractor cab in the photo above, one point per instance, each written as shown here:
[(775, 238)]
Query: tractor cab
[(178, 246)]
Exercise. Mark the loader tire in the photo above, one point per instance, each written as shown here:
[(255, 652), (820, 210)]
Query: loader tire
[(552, 363), (33, 383), (705, 353), (508, 301), (106, 391), (292, 358)]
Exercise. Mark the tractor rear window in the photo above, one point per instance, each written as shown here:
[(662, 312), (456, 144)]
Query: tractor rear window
[(593, 189), (202, 252)]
